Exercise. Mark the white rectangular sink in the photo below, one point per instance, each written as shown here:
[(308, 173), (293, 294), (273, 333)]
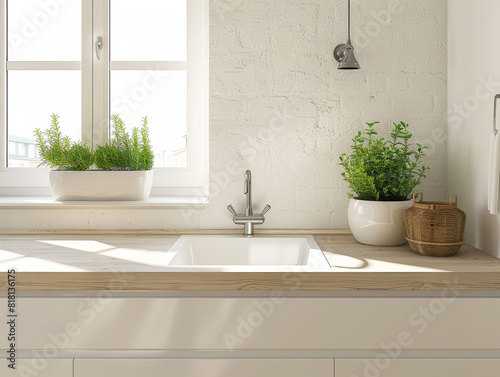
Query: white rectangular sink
[(257, 253)]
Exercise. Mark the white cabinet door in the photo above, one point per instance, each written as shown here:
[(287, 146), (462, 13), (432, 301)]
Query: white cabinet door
[(257, 323), (386, 367), (39, 366), (203, 367)]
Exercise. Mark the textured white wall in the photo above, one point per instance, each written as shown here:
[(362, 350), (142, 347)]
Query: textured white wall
[(474, 79), (279, 107)]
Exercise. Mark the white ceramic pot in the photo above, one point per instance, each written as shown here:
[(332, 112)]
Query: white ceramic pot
[(378, 223), (100, 185)]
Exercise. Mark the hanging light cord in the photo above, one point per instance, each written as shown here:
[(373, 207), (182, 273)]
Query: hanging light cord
[(349, 21)]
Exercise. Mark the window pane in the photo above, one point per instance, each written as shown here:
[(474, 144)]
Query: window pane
[(148, 30), (12, 147), (32, 97), (161, 96), (44, 30), (31, 151)]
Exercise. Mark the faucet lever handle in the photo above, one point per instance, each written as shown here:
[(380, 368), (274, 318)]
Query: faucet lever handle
[(266, 208), (248, 182), (231, 209)]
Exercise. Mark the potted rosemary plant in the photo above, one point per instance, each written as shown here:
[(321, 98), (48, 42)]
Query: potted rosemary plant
[(382, 175), (119, 170)]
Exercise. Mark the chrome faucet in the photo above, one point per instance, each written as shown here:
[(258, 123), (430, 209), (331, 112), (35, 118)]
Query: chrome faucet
[(248, 219)]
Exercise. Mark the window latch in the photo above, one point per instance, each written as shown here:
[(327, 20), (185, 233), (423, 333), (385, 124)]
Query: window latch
[(98, 47)]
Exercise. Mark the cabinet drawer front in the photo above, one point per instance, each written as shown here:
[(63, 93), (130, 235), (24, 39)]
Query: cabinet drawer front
[(203, 367), (257, 323), (386, 367), (39, 366)]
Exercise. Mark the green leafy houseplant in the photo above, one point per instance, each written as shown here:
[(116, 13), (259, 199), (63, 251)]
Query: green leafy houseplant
[(59, 152), (121, 152), (124, 152), (383, 170)]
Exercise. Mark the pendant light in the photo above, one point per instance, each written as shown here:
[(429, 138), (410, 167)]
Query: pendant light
[(344, 52)]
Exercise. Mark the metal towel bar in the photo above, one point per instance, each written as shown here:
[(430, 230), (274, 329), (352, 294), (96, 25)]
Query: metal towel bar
[(495, 114)]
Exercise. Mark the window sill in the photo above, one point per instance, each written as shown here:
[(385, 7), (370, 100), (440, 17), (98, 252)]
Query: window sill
[(154, 202)]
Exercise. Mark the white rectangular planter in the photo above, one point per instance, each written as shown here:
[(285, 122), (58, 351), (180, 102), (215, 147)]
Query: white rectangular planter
[(100, 185)]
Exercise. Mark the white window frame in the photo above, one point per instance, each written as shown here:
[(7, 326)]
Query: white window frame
[(191, 181)]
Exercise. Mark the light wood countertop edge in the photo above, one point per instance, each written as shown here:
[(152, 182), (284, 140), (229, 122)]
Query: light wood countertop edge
[(254, 281)]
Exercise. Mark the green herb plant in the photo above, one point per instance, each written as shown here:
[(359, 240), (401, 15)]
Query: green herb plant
[(383, 170), (59, 152), (125, 152), (121, 152)]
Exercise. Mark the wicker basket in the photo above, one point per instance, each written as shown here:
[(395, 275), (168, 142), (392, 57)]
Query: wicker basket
[(435, 229)]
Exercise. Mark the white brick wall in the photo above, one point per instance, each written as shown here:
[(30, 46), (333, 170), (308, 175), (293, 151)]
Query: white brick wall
[(270, 58)]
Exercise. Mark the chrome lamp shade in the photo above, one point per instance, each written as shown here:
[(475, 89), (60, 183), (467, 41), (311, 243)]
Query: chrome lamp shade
[(344, 54)]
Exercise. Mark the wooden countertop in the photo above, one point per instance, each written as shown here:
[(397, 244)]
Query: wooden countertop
[(128, 261)]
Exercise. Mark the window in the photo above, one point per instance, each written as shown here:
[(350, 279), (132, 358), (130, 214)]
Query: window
[(88, 59)]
